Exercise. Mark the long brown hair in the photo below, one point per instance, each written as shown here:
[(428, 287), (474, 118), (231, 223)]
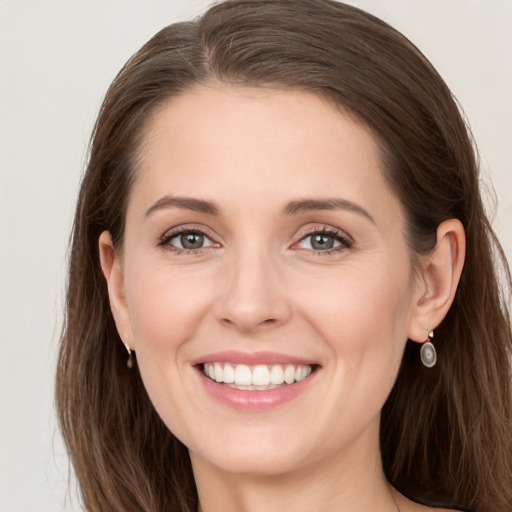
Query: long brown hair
[(446, 433)]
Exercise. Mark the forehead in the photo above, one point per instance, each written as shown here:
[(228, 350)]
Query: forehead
[(246, 142)]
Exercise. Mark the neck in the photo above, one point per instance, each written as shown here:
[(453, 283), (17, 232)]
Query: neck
[(354, 483)]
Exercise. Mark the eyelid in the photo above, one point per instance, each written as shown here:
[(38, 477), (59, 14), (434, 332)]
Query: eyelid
[(342, 237), (346, 241), (187, 228)]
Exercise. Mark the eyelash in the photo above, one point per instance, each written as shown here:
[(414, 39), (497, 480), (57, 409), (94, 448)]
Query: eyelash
[(344, 241), (167, 237)]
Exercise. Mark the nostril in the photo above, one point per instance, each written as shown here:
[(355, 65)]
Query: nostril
[(251, 308), (248, 326)]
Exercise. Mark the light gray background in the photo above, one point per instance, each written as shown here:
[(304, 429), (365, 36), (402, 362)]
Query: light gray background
[(56, 60)]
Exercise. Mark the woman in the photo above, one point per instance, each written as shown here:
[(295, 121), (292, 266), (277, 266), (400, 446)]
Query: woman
[(283, 286)]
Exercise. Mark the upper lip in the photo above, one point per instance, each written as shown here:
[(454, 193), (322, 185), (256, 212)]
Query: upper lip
[(251, 358)]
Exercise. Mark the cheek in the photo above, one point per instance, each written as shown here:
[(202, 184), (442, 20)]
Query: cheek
[(164, 307), (362, 315)]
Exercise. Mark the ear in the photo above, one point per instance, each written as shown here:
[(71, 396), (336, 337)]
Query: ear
[(437, 283), (112, 268)]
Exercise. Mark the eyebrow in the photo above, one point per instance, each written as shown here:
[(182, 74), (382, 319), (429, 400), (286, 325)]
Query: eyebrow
[(307, 205), (187, 203), (292, 208)]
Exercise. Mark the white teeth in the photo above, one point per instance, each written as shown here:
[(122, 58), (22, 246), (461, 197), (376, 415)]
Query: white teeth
[(302, 372), (219, 373), (243, 376), (256, 377), (277, 375), (260, 376), (229, 374), (289, 374)]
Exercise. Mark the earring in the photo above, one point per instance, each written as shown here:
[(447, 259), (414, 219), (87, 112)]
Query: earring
[(428, 352), (130, 363)]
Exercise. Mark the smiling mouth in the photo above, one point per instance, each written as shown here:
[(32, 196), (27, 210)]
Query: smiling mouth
[(257, 377)]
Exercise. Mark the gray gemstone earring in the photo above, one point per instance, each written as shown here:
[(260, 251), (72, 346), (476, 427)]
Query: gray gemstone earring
[(130, 363), (428, 352)]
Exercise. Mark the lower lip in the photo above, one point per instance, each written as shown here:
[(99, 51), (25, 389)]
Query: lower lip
[(257, 400)]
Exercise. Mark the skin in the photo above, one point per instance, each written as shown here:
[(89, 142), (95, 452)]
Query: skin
[(259, 284)]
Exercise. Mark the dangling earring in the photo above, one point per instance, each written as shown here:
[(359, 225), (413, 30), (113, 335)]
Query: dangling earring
[(428, 352), (130, 363)]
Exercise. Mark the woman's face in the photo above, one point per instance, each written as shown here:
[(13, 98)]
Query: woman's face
[(262, 244)]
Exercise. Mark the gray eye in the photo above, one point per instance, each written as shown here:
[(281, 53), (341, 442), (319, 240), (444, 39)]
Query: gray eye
[(321, 242), (191, 240), (324, 241)]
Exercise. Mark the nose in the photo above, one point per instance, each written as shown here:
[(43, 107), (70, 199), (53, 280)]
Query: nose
[(254, 297)]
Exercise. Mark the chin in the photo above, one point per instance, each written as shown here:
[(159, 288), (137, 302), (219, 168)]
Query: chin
[(260, 451), (252, 462)]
